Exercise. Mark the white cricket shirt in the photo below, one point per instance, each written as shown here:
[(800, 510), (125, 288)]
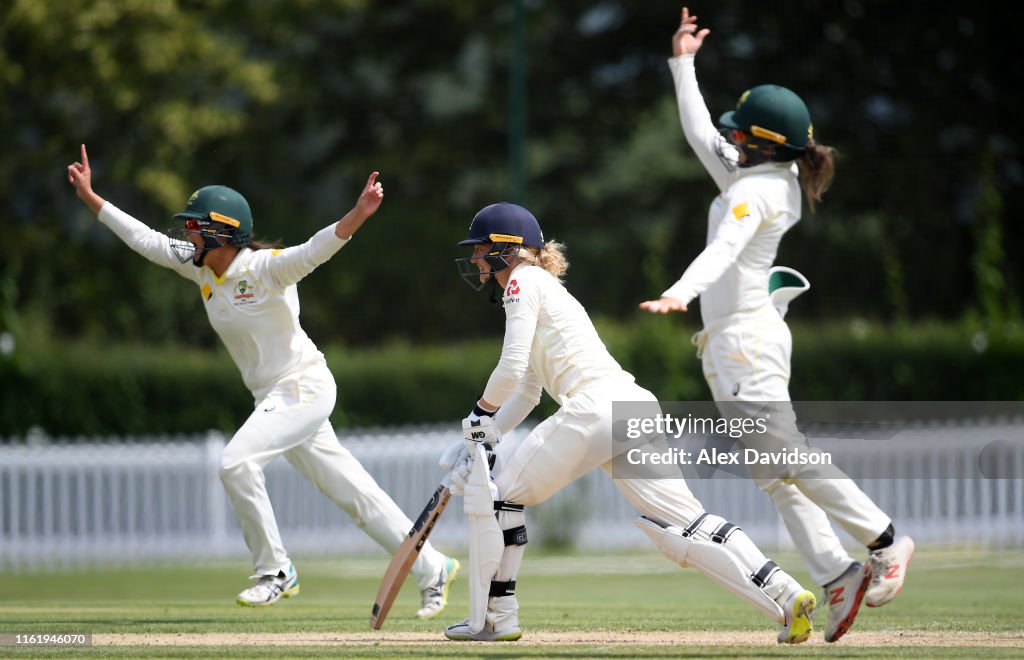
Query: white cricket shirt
[(550, 342), (254, 306)]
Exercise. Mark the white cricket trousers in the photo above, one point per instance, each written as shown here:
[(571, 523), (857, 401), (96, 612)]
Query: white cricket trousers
[(578, 439), (750, 361), (293, 421), (575, 440)]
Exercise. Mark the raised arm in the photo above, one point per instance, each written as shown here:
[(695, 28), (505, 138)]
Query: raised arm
[(288, 266), (714, 151), (138, 236)]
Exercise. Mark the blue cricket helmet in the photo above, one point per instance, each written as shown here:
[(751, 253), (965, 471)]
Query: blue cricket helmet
[(505, 223), (507, 228)]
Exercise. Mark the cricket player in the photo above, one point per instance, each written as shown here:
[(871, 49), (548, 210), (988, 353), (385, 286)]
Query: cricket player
[(248, 289), (550, 344), (770, 156)]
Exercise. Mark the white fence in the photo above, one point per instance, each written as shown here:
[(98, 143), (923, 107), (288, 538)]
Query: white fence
[(79, 503)]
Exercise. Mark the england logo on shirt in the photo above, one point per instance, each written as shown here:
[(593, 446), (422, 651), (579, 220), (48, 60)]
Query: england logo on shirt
[(511, 291)]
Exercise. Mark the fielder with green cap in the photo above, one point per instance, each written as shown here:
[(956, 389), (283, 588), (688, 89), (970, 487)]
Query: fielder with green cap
[(248, 290), (762, 159)]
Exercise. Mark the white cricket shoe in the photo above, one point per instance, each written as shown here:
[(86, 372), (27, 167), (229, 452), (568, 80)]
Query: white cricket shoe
[(268, 589), (500, 625), (798, 612), (435, 597), (888, 570), (844, 595)]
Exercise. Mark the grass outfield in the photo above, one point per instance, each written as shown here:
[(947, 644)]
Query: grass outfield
[(956, 604)]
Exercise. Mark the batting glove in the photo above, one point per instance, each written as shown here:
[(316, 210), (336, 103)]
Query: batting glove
[(481, 430), (455, 454), (459, 474)]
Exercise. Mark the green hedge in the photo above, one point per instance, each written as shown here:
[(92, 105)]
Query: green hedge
[(848, 361), (92, 390)]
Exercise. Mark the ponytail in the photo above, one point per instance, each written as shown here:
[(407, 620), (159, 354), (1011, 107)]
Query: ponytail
[(550, 258), (817, 168)]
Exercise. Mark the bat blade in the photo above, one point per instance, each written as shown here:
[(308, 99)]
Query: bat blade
[(406, 555)]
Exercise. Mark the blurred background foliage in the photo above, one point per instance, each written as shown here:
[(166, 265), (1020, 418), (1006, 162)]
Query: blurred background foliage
[(294, 102)]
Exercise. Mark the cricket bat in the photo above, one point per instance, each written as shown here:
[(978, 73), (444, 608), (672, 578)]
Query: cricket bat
[(407, 553)]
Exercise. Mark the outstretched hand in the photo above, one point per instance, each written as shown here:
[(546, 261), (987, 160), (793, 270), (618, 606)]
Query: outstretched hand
[(371, 197), (663, 305), (80, 176), (688, 38), (367, 204)]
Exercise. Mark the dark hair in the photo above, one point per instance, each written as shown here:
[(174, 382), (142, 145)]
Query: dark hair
[(817, 168), (264, 245)]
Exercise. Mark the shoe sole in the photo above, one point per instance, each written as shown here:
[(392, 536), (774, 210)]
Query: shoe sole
[(897, 592), (452, 574), (294, 591), (803, 610), (847, 621), (504, 637)]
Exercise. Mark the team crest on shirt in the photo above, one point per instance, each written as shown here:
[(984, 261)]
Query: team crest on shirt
[(245, 293), (511, 291)]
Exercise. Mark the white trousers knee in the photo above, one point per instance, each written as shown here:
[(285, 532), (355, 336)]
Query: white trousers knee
[(576, 440), (293, 421)]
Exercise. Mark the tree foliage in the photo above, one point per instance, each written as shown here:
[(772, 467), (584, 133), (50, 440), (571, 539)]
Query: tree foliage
[(295, 102)]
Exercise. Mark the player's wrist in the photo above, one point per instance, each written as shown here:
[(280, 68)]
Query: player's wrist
[(480, 411)]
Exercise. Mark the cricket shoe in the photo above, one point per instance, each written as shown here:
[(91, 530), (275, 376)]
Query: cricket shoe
[(268, 589), (435, 597), (798, 612), (500, 625), (844, 595), (888, 570)]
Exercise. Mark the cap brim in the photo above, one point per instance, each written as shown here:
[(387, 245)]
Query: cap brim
[(473, 241), (188, 215), (728, 121)]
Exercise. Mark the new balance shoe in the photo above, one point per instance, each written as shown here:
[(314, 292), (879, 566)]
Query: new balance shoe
[(888, 570), (268, 589), (435, 597), (798, 612), (844, 595)]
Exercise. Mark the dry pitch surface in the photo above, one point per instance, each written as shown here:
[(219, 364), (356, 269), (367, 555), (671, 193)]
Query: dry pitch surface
[(907, 638)]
